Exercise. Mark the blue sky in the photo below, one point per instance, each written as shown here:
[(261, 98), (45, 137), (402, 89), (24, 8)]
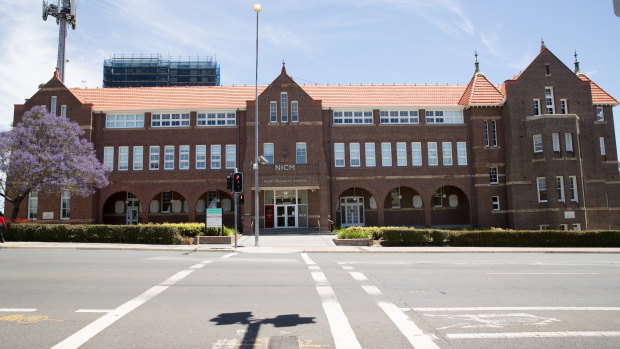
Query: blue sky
[(322, 41)]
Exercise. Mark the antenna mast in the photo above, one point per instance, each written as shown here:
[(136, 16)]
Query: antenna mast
[(64, 14)]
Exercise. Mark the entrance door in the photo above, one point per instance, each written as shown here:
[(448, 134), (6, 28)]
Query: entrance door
[(269, 216), (286, 216), (132, 215), (352, 211)]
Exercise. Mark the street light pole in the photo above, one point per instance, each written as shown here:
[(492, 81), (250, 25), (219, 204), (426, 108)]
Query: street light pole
[(257, 8)]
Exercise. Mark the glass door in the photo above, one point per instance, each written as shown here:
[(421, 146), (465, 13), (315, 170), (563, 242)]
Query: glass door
[(352, 211), (286, 216)]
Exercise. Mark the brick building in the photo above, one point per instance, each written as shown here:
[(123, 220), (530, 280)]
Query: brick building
[(537, 151)]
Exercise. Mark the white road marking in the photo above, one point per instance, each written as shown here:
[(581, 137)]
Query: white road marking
[(513, 309), (92, 329), (230, 255), (495, 320), (17, 310), (517, 335), (93, 310), (343, 334), (407, 327)]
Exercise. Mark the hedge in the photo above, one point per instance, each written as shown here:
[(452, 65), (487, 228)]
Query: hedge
[(403, 236), (134, 234)]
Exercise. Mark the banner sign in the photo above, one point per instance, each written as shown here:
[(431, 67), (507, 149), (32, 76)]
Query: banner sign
[(214, 218)]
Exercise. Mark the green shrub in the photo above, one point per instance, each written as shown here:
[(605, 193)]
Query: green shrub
[(354, 233)]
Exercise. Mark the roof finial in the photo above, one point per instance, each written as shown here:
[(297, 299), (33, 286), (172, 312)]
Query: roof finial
[(477, 64), (56, 75), (542, 45), (577, 70)]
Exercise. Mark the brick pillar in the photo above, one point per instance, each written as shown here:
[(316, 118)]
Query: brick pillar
[(427, 215), (380, 213)]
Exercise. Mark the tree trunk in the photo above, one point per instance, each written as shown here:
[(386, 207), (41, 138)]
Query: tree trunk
[(16, 204)]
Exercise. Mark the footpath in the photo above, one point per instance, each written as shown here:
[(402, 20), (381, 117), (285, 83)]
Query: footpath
[(289, 244)]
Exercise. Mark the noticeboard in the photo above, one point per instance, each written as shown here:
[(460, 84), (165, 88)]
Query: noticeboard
[(214, 218)]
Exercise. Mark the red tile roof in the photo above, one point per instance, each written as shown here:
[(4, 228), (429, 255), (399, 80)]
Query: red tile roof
[(153, 98), (599, 96), (480, 91)]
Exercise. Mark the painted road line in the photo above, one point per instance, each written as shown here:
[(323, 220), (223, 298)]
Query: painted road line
[(407, 327), (519, 335), (456, 309), (230, 255), (93, 310), (92, 329), (343, 334), (17, 310)]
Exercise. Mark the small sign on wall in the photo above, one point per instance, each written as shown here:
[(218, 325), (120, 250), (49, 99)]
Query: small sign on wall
[(569, 214), (48, 215)]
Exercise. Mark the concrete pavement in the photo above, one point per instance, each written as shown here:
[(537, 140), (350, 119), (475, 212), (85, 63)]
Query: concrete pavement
[(292, 244)]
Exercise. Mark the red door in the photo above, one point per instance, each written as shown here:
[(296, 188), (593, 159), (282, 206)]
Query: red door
[(268, 216)]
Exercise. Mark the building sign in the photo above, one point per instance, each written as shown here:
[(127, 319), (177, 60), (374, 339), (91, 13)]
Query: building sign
[(214, 218), (569, 215), (284, 167), (48, 215)]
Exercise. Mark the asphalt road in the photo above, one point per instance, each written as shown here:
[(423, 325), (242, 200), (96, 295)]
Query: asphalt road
[(222, 300)]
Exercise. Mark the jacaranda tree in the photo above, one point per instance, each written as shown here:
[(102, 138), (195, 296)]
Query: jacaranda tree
[(46, 153)]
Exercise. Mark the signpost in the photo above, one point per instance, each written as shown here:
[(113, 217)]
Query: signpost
[(214, 218)]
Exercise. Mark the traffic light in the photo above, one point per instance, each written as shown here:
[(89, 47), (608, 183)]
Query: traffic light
[(241, 199), (237, 182), (229, 183)]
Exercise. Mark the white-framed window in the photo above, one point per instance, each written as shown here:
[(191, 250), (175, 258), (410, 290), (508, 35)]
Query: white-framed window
[(432, 154), (33, 205), (495, 203), (399, 117), (184, 157), (124, 121), (395, 195), (268, 152), (170, 120), (369, 149), (54, 105), (216, 119), (601, 142), (559, 184), (353, 118), (108, 158), (563, 226), (461, 153), (599, 114), (65, 205), (294, 111), (541, 184), (284, 106), (273, 111), (536, 106), (444, 116), (568, 141), (401, 154), (538, 144), (446, 153), (576, 226), (563, 106), (386, 154), (169, 157), (123, 158), (494, 132), (231, 156), (486, 133), (63, 111), (216, 156), (301, 156), (339, 154), (154, 158), (572, 187), (354, 154), (555, 137), (416, 153), (493, 177), (138, 157), (166, 202), (550, 105), (201, 157), (544, 227)]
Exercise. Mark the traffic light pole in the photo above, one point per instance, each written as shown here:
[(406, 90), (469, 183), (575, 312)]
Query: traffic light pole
[(236, 198)]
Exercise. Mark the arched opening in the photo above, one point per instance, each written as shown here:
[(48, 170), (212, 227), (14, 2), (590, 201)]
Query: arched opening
[(216, 199), (122, 207), (403, 206), (168, 206), (356, 207), (450, 207)]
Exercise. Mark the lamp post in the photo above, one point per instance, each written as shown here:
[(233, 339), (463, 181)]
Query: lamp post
[(257, 8)]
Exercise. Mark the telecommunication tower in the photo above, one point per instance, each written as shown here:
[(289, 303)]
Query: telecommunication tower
[(64, 14)]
